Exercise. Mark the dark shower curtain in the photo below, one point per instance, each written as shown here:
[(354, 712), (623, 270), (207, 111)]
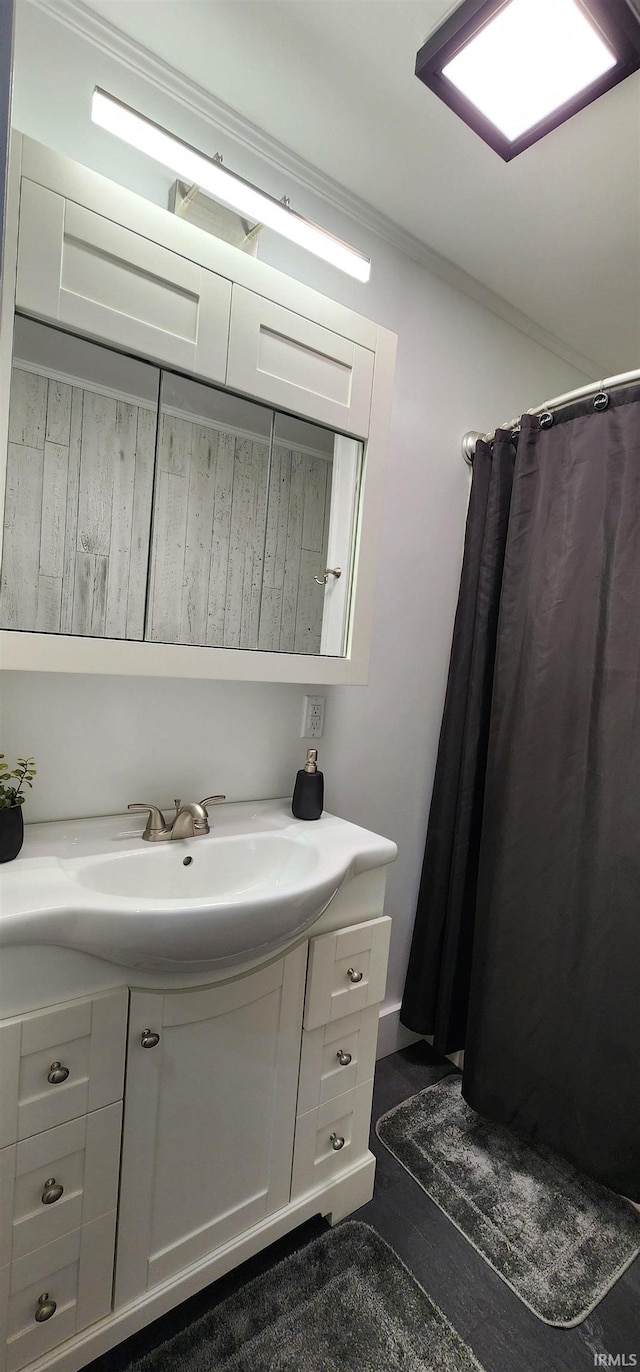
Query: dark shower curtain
[(526, 948)]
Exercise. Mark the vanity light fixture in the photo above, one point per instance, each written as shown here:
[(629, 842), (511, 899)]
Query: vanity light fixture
[(513, 70), (232, 190)]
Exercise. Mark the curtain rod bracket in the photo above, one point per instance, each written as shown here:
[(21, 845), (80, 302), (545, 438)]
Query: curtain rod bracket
[(469, 441)]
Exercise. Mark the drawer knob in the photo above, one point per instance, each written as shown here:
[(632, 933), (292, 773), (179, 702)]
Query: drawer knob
[(52, 1192), (343, 1058), (337, 1142), (56, 1074), (45, 1308), (353, 975), (149, 1039)]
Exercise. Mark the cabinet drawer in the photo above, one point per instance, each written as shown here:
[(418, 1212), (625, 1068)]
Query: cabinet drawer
[(104, 280), (86, 1039), (75, 1272), (291, 361), (57, 1181), (347, 971), (324, 1071), (331, 1138)]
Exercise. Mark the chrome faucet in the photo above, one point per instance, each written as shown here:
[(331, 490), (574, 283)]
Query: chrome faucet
[(191, 820)]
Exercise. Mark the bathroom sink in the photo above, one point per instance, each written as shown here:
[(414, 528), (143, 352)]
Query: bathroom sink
[(255, 882), (234, 868)]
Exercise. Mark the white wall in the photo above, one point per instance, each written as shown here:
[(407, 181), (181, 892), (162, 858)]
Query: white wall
[(102, 742)]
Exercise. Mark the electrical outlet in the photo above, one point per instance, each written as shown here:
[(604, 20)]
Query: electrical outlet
[(313, 717)]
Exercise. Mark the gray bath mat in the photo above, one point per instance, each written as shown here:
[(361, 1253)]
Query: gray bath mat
[(345, 1303), (559, 1240)]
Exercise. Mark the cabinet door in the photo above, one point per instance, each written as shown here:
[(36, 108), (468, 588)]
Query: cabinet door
[(108, 282), (292, 362), (209, 1120)]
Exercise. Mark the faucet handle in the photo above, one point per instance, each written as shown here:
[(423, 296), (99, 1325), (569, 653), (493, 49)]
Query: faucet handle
[(155, 822), (211, 800)]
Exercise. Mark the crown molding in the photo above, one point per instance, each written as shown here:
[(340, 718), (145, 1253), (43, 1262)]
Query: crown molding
[(110, 40)]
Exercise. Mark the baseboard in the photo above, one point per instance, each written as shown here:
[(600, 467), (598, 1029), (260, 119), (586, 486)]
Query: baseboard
[(392, 1035)]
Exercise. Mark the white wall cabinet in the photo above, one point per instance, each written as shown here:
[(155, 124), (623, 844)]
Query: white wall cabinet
[(100, 278), (105, 264), (298, 364), (239, 1123)]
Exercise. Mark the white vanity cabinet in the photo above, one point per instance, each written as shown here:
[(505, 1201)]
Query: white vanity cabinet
[(247, 1105), (62, 1072)]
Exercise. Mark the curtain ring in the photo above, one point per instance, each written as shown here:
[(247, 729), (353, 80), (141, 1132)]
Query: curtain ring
[(601, 401), (545, 419)]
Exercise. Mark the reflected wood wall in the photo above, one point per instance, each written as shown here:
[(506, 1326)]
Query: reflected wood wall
[(234, 547), (77, 510), (233, 562)]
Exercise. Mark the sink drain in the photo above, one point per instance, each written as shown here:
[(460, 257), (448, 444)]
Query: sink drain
[(186, 862)]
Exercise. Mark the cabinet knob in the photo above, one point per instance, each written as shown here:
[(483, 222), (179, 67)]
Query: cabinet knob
[(149, 1039), (343, 1058), (52, 1192), (337, 1142), (45, 1308), (57, 1073), (353, 975)]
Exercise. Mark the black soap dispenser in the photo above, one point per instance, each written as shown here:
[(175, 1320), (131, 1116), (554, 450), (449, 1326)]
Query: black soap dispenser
[(308, 792)]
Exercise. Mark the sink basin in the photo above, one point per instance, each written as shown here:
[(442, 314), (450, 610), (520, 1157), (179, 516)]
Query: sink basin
[(233, 868), (253, 884)]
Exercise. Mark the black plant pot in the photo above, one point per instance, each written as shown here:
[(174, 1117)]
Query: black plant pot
[(11, 832)]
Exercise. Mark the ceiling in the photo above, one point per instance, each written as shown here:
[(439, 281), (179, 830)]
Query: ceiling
[(556, 232)]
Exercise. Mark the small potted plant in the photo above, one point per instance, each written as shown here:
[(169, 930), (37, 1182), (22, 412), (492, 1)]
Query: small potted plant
[(12, 798)]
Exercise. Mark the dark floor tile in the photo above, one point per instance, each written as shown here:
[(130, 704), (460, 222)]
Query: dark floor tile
[(617, 1316), (504, 1346), (391, 1087), (433, 1263), (420, 1065)]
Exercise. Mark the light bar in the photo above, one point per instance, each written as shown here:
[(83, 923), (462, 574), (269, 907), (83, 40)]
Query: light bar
[(514, 70), (223, 185)]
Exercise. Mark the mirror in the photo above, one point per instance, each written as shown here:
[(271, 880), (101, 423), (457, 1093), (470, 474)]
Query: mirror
[(82, 426), (141, 504)]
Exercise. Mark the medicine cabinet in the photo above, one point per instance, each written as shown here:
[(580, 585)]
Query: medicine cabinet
[(143, 505), (195, 447)]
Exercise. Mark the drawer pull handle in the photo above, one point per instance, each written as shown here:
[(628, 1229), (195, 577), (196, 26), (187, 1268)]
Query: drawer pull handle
[(353, 975), (57, 1074), (52, 1192), (343, 1058), (45, 1308), (149, 1039), (337, 1142)]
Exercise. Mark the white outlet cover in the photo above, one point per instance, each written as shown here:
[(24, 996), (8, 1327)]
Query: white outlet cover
[(313, 717)]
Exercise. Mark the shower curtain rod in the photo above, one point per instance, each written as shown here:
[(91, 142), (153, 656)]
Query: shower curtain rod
[(470, 439)]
